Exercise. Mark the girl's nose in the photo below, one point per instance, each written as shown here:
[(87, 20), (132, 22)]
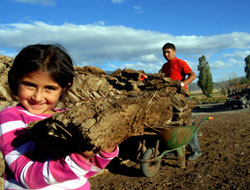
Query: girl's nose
[(38, 96)]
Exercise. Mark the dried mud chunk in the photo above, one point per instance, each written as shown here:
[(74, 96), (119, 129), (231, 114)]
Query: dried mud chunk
[(103, 122), (93, 125), (159, 111)]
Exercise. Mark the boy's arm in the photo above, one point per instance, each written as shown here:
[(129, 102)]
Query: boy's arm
[(190, 78)]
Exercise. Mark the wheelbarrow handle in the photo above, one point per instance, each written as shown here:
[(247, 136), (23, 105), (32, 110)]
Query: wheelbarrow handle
[(202, 121)]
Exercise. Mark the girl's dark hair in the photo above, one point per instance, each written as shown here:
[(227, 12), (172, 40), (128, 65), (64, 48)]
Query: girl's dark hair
[(41, 57)]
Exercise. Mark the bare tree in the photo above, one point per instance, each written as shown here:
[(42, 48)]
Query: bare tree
[(228, 81)]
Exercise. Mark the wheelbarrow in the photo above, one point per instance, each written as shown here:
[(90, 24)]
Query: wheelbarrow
[(175, 138)]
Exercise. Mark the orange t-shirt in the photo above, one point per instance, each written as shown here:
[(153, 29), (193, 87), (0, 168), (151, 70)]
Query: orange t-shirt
[(176, 69)]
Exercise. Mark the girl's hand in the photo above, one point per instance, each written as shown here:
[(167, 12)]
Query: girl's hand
[(89, 154), (110, 148)]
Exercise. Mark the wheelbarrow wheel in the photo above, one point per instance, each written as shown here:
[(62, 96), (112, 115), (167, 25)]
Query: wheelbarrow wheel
[(150, 169)]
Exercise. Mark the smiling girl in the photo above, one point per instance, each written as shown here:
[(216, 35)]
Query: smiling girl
[(39, 76)]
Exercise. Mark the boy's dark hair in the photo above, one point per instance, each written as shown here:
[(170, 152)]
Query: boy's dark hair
[(41, 57), (168, 46)]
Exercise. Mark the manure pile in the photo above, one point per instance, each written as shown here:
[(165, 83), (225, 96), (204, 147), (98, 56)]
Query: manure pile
[(106, 109)]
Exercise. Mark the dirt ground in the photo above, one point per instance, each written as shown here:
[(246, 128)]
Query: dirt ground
[(224, 164)]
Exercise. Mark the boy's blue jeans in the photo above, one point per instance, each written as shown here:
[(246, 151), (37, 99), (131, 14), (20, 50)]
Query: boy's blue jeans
[(194, 144)]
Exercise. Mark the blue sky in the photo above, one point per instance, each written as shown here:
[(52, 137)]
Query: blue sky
[(112, 34)]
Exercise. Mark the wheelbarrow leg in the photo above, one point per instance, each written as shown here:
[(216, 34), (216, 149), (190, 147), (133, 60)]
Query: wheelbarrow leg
[(156, 147), (142, 148), (181, 156)]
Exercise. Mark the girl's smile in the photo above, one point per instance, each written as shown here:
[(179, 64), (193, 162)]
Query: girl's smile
[(38, 92)]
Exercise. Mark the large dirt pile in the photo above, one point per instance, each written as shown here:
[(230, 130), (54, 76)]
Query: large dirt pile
[(105, 109), (5, 96)]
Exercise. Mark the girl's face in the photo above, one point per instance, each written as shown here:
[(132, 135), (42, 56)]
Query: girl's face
[(38, 92)]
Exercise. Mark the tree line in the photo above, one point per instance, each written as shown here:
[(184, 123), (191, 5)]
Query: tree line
[(205, 80)]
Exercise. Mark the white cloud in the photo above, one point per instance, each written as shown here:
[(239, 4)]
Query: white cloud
[(220, 64), (202, 44), (119, 46), (147, 67), (41, 2), (149, 58), (138, 9), (237, 62), (2, 52), (112, 1), (238, 54), (91, 43), (234, 61), (117, 1)]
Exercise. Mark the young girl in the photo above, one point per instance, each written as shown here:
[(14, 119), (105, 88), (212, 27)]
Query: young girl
[(40, 74)]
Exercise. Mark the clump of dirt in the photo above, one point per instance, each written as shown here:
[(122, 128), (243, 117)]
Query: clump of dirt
[(102, 122), (107, 109), (6, 98)]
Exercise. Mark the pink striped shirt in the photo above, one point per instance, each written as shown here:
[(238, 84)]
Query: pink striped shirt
[(71, 172)]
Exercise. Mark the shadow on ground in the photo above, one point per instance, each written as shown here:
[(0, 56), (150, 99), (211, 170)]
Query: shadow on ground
[(209, 108)]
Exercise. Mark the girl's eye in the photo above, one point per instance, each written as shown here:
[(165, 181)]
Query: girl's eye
[(28, 84), (51, 88)]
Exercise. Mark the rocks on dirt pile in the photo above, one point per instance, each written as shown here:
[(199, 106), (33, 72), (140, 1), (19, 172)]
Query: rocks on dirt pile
[(6, 98)]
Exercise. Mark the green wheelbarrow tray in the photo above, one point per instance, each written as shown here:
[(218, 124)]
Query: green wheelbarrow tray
[(175, 138)]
